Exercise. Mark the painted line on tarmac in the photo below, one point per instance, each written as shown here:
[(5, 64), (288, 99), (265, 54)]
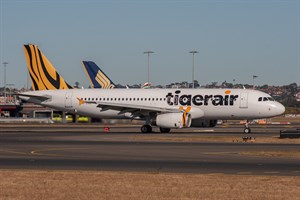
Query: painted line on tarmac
[(15, 152), (208, 130), (40, 151)]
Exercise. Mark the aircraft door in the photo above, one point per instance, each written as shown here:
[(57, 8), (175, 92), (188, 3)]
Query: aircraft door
[(68, 99), (244, 100)]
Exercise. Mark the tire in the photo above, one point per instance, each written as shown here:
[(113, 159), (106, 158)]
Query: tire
[(165, 130), (146, 129), (247, 130)]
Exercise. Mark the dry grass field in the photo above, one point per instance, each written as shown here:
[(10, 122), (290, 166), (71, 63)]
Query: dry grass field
[(38, 184)]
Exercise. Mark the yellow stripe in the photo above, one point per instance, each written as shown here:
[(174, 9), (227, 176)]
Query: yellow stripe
[(102, 80)]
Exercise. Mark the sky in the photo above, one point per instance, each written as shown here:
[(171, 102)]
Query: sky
[(236, 39)]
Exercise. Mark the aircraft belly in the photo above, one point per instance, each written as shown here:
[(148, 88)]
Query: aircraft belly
[(226, 113), (97, 113)]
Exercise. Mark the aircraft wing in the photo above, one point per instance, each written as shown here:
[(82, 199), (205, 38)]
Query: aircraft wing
[(142, 110), (130, 108)]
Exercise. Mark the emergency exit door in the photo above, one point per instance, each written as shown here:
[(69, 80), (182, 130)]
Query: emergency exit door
[(244, 100), (68, 100)]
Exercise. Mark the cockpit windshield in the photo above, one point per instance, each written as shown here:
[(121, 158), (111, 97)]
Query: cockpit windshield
[(265, 99)]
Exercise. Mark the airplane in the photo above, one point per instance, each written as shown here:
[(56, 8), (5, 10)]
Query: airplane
[(165, 108), (97, 77)]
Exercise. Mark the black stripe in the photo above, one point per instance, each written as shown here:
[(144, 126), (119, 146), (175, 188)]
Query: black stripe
[(35, 86), (27, 47), (69, 86), (38, 68), (55, 83)]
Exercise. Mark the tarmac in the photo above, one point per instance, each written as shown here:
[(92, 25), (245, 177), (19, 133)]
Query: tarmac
[(124, 148)]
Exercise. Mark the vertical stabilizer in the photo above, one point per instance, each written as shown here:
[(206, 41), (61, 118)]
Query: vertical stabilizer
[(42, 73), (97, 77)]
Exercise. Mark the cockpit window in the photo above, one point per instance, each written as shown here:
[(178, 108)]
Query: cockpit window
[(265, 99)]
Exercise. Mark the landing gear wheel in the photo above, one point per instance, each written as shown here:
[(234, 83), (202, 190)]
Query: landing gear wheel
[(247, 130), (164, 130), (146, 129)]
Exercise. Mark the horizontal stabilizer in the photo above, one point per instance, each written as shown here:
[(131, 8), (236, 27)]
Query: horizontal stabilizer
[(39, 98)]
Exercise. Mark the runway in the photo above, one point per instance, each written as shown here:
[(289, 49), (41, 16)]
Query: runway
[(90, 149)]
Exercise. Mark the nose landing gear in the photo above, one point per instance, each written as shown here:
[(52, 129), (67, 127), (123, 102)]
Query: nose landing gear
[(247, 128)]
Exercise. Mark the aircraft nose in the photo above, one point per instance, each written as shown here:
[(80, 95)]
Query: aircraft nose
[(279, 108)]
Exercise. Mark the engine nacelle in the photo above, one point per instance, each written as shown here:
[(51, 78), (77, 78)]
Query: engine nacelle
[(203, 123), (174, 120)]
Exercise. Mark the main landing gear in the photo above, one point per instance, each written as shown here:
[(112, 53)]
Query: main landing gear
[(165, 130), (148, 129), (247, 128)]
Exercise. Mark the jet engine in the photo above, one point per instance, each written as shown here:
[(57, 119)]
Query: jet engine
[(203, 123), (173, 120)]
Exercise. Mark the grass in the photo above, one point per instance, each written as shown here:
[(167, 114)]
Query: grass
[(38, 184)]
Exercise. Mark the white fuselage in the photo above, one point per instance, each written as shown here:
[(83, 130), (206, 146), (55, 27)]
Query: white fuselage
[(205, 103)]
